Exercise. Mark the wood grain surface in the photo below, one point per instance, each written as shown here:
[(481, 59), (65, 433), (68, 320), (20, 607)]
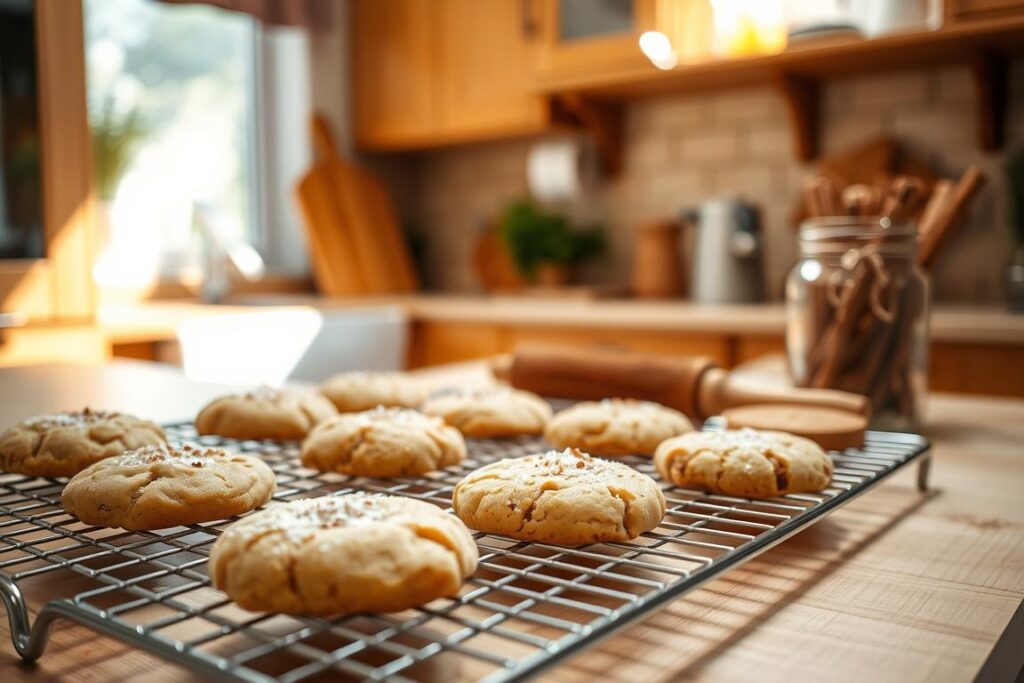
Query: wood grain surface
[(896, 586)]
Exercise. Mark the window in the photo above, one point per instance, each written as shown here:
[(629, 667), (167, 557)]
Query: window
[(177, 107), (21, 213)]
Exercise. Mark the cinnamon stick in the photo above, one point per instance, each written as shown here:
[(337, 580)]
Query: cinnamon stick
[(940, 229)]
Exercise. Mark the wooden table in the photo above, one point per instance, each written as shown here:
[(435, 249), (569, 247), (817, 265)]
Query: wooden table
[(896, 586)]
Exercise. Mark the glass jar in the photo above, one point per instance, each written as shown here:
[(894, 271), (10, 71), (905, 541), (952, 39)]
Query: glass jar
[(857, 315)]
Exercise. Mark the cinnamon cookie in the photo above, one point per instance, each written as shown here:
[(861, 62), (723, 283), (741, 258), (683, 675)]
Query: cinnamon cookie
[(565, 498), (352, 392), (164, 486), (745, 463), (491, 411), (383, 442), (615, 426), (64, 444), (265, 413), (338, 555)]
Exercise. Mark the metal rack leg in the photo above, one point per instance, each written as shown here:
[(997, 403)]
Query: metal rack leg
[(17, 612), (924, 468)]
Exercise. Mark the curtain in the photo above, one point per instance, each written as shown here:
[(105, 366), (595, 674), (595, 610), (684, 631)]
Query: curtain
[(307, 13)]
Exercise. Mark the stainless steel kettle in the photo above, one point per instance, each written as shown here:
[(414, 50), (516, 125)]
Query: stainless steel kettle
[(727, 252)]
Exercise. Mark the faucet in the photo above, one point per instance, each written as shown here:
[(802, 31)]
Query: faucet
[(220, 253)]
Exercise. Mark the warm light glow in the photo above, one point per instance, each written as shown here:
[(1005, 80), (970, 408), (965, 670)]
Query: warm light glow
[(749, 27), (291, 343), (658, 48), (810, 270), (251, 348)]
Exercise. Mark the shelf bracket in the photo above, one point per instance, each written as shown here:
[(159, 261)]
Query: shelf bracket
[(991, 82), (803, 101), (603, 121)]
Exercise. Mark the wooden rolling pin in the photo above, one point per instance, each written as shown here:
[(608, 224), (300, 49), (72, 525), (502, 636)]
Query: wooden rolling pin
[(693, 385)]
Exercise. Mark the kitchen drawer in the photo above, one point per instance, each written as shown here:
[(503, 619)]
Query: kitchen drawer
[(983, 9), (439, 342), (977, 369)]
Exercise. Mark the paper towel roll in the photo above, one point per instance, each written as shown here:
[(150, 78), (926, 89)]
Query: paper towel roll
[(557, 170)]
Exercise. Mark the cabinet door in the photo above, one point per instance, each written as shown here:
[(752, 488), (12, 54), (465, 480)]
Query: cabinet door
[(46, 199), (486, 53), (589, 40), (394, 71), (983, 9)]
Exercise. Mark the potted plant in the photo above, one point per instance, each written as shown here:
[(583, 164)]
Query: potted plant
[(114, 139), (543, 244), (1015, 189)]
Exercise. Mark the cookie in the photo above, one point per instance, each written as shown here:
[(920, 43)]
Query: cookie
[(490, 412), (559, 497), (745, 463), (164, 486), (64, 444), (339, 555), (615, 426), (353, 392), (265, 413), (383, 442)]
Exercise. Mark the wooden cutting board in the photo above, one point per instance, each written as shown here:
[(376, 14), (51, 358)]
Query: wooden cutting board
[(355, 239)]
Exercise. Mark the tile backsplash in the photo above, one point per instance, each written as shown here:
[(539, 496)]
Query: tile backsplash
[(681, 150)]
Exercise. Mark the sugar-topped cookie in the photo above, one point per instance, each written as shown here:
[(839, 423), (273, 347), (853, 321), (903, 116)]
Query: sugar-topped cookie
[(342, 554), (744, 462), (490, 411), (63, 444), (265, 413), (164, 486), (383, 442), (615, 426), (560, 497), (352, 392)]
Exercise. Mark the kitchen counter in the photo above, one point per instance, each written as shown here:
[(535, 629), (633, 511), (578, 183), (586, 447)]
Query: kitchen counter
[(896, 586), (158, 320)]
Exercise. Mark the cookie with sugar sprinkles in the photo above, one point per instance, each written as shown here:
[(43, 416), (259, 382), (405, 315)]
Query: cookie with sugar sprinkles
[(561, 497), (265, 413), (343, 554), (383, 442), (165, 486), (744, 462), (63, 444), (490, 412)]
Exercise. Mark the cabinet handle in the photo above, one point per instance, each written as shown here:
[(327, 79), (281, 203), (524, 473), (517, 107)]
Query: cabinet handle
[(13, 319), (529, 22)]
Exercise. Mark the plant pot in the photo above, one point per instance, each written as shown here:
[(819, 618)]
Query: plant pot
[(553, 274)]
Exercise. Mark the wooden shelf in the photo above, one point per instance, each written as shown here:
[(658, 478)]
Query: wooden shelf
[(985, 44)]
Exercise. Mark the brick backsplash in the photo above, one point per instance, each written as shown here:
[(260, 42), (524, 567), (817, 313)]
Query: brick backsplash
[(683, 149)]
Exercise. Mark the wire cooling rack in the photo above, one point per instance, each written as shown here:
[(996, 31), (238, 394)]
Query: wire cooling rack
[(528, 605)]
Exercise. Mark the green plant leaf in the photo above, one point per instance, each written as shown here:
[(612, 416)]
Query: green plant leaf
[(535, 236)]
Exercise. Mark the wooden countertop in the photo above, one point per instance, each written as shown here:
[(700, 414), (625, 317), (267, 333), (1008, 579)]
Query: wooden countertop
[(158, 320), (896, 586)]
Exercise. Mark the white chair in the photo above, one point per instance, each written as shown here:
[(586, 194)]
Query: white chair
[(302, 344)]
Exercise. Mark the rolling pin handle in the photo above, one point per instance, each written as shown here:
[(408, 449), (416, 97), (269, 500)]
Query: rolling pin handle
[(719, 391)]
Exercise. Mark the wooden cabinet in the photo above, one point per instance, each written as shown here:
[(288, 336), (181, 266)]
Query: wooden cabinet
[(394, 72), (989, 369), (484, 66), (583, 41), (75, 344), (983, 9), (432, 73), (55, 283)]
